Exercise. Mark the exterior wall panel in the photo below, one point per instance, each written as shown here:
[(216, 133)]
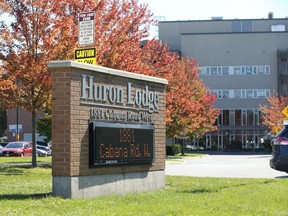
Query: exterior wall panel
[(238, 43)]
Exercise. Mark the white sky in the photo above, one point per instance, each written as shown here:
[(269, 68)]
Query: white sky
[(205, 9)]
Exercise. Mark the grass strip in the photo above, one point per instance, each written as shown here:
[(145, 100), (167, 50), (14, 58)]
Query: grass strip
[(27, 191), (18, 160)]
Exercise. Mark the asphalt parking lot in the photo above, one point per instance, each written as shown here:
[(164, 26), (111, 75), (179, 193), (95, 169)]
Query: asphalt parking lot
[(235, 165)]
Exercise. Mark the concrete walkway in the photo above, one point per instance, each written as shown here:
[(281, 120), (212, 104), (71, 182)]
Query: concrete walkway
[(231, 165)]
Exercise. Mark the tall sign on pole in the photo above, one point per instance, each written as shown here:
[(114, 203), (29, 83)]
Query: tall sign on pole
[(86, 28)]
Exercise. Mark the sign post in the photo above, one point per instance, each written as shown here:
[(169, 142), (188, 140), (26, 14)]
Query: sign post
[(86, 28)]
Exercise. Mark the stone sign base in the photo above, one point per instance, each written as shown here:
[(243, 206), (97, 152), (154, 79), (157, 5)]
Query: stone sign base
[(110, 184)]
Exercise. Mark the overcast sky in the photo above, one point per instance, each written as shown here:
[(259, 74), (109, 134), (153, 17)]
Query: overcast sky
[(205, 9)]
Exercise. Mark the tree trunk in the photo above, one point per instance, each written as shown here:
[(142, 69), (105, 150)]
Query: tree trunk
[(183, 146), (34, 155)]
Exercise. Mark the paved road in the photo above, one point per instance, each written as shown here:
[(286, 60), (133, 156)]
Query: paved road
[(225, 165)]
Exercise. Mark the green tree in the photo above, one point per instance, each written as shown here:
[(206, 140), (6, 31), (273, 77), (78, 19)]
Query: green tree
[(3, 120), (44, 125)]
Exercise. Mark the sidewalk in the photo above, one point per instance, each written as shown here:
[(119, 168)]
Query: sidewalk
[(228, 165)]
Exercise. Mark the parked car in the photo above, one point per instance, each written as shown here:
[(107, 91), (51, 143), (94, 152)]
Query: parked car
[(41, 153), (279, 144), (47, 149), (19, 148), (42, 143), (1, 147)]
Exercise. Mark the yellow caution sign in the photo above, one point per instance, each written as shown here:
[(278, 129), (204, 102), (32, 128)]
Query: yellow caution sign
[(285, 111), (277, 129), (87, 55)]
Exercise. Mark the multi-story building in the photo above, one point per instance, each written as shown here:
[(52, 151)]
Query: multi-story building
[(242, 61)]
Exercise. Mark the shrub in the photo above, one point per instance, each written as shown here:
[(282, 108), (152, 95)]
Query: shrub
[(173, 149)]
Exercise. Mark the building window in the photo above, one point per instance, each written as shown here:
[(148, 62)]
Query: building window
[(237, 70), (249, 93), (255, 93), (220, 119), (225, 93), (236, 26), (202, 71), (261, 70), (241, 26), (283, 66), (238, 114), (255, 70), (244, 116), (232, 117), (213, 70), (261, 93), (247, 26), (243, 93), (250, 117), (219, 70), (256, 116), (219, 94), (225, 117), (267, 69), (225, 70), (249, 70), (277, 28), (237, 93)]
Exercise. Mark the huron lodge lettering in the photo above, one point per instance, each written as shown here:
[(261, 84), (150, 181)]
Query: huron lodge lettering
[(104, 93)]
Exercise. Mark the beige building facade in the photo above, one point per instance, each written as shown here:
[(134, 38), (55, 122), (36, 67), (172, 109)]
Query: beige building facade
[(242, 61)]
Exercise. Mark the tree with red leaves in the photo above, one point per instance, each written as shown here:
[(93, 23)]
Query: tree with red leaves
[(45, 30), (272, 114), (189, 105), (37, 34)]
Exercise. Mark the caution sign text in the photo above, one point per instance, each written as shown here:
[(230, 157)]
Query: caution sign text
[(87, 55)]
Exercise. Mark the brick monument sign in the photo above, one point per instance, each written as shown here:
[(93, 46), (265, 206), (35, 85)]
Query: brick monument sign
[(108, 131)]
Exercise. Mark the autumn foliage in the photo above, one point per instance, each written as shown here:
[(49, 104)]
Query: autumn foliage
[(189, 106), (45, 30), (36, 32), (272, 113)]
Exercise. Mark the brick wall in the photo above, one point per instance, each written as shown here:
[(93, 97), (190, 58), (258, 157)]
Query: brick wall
[(70, 119)]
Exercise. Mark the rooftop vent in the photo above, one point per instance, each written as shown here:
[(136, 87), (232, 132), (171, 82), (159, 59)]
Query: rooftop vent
[(217, 18), (270, 15)]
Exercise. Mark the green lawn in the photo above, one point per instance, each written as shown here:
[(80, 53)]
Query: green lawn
[(26, 191), (11, 160)]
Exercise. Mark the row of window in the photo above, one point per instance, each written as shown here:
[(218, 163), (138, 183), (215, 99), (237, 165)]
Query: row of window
[(239, 117), (241, 93), (235, 70), (247, 26)]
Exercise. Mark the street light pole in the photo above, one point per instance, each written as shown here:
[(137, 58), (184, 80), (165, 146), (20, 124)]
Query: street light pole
[(17, 118), (17, 122)]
